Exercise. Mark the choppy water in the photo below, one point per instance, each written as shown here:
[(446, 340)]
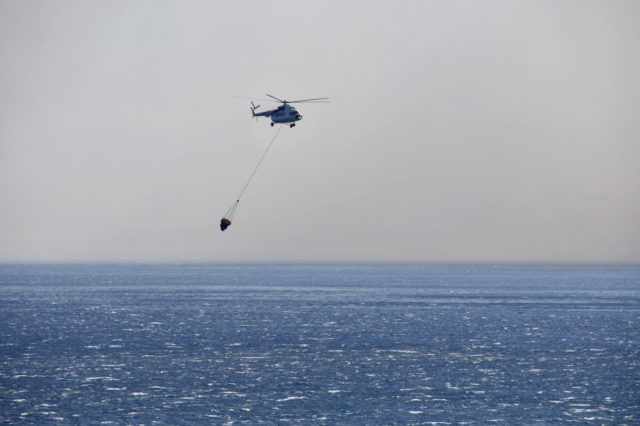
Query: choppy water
[(319, 344)]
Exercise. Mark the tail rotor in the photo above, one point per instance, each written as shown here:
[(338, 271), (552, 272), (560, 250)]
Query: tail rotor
[(254, 107)]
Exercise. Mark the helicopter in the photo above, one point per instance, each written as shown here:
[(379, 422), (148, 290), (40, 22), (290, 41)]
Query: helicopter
[(285, 113)]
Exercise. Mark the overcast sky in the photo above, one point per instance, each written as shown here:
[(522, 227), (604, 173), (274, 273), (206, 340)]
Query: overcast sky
[(494, 131)]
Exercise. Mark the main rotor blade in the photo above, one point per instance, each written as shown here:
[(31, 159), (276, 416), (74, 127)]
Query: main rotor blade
[(308, 100), (255, 99), (277, 99)]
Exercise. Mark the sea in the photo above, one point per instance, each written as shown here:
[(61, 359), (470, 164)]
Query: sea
[(308, 344)]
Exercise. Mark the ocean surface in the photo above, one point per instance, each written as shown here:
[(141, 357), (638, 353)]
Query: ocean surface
[(319, 344)]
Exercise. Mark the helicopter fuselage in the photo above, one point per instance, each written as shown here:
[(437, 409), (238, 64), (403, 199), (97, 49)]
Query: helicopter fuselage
[(283, 114)]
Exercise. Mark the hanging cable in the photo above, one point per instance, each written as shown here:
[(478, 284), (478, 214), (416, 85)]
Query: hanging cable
[(225, 222), (258, 165)]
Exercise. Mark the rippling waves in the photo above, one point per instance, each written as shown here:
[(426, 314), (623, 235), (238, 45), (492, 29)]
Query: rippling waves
[(319, 344)]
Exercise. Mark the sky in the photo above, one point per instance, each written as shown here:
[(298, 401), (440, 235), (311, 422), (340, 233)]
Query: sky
[(462, 131)]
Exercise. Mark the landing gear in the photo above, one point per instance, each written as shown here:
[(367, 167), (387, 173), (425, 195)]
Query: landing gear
[(292, 125)]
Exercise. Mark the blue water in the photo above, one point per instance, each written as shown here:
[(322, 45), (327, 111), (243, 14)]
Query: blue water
[(319, 344)]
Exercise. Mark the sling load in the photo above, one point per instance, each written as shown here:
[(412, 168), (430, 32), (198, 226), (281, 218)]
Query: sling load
[(225, 222)]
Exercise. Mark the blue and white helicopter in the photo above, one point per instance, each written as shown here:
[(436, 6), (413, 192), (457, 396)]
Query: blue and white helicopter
[(285, 113)]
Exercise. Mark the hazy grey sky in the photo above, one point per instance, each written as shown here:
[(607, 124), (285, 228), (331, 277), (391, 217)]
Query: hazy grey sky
[(457, 131)]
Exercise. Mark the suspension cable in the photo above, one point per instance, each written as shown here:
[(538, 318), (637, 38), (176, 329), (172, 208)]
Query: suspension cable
[(258, 165), (226, 220)]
